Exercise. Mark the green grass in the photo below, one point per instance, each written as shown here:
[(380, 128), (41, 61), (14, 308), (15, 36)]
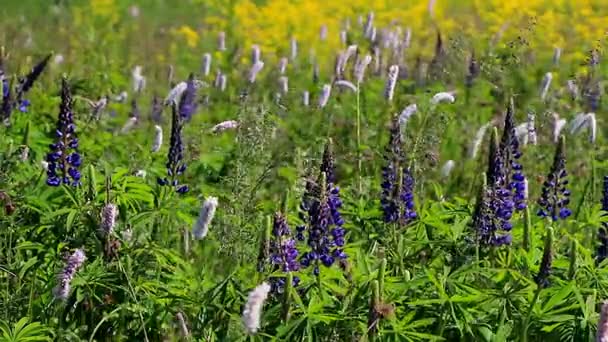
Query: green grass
[(428, 280)]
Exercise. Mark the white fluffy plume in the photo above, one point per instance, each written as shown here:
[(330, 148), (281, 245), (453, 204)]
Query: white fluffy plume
[(201, 226), (158, 138), (252, 314)]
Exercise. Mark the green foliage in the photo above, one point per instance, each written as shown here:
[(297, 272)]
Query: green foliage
[(428, 281)]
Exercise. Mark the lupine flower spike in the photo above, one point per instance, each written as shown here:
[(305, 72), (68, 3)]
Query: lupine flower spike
[(64, 158), (494, 205), (283, 252), (602, 250), (504, 189), (513, 174), (555, 196), (175, 157), (397, 198), (542, 278), (187, 102), (109, 213), (26, 83), (64, 279), (325, 233)]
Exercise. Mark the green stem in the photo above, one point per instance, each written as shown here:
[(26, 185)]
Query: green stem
[(572, 269), (527, 229), (287, 297), (524, 331), (358, 129)]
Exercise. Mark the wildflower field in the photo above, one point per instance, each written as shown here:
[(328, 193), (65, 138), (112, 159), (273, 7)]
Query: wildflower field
[(206, 170)]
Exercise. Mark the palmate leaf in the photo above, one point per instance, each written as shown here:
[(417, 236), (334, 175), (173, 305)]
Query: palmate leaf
[(22, 331)]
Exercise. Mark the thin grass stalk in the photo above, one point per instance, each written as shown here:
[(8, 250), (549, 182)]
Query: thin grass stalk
[(287, 297)]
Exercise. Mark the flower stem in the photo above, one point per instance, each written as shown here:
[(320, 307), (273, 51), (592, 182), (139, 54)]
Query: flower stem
[(524, 331), (358, 129)]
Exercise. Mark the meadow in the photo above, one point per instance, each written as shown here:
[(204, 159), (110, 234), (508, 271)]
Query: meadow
[(303, 170)]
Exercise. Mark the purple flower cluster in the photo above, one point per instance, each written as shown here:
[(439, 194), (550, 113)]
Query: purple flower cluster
[(602, 250), (544, 271), (555, 197), (397, 198), (64, 279), (64, 159), (326, 235), (505, 190), (187, 103), (513, 179), (157, 110), (175, 158), (283, 252), (488, 224), (24, 85), (324, 224)]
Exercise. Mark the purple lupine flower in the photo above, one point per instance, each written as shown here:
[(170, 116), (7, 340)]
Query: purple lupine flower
[(175, 157), (495, 205), (506, 185), (7, 100), (325, 232), (64, 158), (328, 163), (542, 277), (555, 197), (283, 252), (26, 83), (157, 110), (64, 279), (490, 227), (602, 250), (397, 198), (324, 223), (187, 102), (109, 213), (513, 176)]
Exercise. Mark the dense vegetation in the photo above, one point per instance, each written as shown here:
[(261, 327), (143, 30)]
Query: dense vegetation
[(273, 170)]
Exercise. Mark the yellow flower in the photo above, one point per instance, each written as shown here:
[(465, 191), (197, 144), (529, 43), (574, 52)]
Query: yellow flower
[(189, 35), (103, 8)]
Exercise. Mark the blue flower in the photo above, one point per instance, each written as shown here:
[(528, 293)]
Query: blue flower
[(505, 190), (283, 252), (555, 197), (63, 158), (187, 103), (175, 158), (326, 235), (397, 197)]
